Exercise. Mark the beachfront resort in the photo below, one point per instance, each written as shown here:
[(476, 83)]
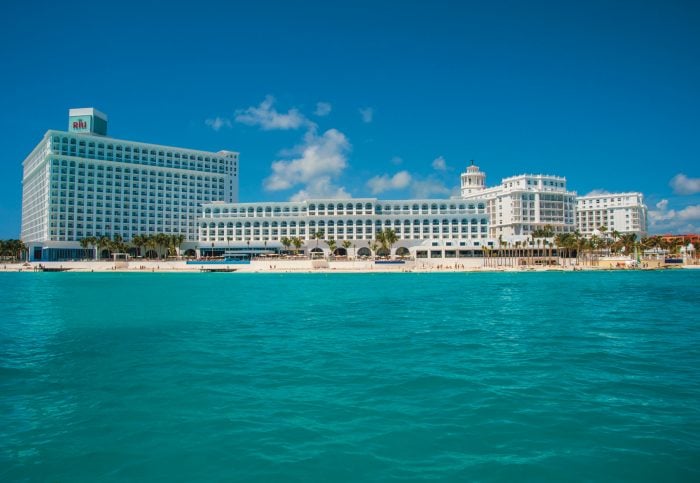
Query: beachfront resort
[(83, 189)]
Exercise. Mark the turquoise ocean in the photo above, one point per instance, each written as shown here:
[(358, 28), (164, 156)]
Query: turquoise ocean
[(350, 377)]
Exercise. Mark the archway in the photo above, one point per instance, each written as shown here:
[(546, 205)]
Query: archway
[(402, 252), (340, 252), (316, 253), (383, 252), (190, 253), (364, 252)]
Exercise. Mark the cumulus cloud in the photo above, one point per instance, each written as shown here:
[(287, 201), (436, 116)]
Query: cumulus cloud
[(683, 185), (439, 164), (380, 184), (322, 187), (268, 118), (367, 114), (598, 192), (316, 164), (217, 123), (684, 220), (323, 109), (428, 188)]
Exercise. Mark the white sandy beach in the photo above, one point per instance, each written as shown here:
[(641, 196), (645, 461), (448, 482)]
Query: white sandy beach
[(303, 266)]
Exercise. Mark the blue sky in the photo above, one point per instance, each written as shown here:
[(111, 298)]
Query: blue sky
[(387, 99)]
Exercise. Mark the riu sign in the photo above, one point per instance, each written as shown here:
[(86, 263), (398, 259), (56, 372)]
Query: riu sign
[(80, 124)]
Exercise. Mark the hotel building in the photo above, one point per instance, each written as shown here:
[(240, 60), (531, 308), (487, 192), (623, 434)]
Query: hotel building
[(522, 203), (80, 183), (454, 227), (618, 212)]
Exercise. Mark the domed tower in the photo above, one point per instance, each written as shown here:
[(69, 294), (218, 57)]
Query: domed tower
[(473, 180)]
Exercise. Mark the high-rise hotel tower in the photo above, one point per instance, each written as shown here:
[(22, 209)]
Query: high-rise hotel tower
[(80, 183)]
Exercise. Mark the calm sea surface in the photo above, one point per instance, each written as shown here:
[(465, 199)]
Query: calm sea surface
[(350, 377)]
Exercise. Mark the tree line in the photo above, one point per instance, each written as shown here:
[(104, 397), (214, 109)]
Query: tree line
[(160, 244), (13, 250), (383, 239)]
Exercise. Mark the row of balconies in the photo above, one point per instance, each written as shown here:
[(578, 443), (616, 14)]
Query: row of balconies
[(273, 214), (149, 161), (340, 231)]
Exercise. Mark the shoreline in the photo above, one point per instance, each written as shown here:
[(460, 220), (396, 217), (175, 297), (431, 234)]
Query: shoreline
[(314, 266)]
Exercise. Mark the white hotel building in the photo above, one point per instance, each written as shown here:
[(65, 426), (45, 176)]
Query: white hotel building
[(451, 228), (522, 203), (617, 212), (81, 183)]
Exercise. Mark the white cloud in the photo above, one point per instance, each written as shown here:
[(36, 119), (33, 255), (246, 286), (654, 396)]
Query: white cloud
[(323, 109), (598, 192), (267, 117), (380, 184), (689, 213), (367, 114), (322, 187), (682, 185), (428, 188), (439, 164), (663, 220), (318, 162), (217, 123)]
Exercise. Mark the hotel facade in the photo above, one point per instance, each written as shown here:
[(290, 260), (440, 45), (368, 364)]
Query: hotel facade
[(441, 225), (80, 183), (521, 204), (621, 213)]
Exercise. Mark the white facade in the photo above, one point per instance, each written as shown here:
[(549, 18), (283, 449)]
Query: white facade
[(77, 185), (444, 223), (617, 212), (522, 203)]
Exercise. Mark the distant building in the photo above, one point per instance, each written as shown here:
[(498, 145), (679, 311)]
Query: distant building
[(80, 183), (523, 203), (623, 213), (693, 238)]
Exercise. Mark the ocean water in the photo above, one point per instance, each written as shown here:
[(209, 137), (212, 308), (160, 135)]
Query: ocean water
[(350, 377)]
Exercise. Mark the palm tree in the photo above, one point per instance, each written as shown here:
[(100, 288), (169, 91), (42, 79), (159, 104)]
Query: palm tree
[(387, 238), (138, 241), (374, 246), (150, 243), (317, 235), (347, 244), (547, 234), (101, 242), (85, 244), (117, 244), (21, 247), (178, 240), (331, 245), (162, 240), (286, 242), (297, 242)]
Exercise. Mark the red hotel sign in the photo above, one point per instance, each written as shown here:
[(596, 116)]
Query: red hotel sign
[(79, 124)]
